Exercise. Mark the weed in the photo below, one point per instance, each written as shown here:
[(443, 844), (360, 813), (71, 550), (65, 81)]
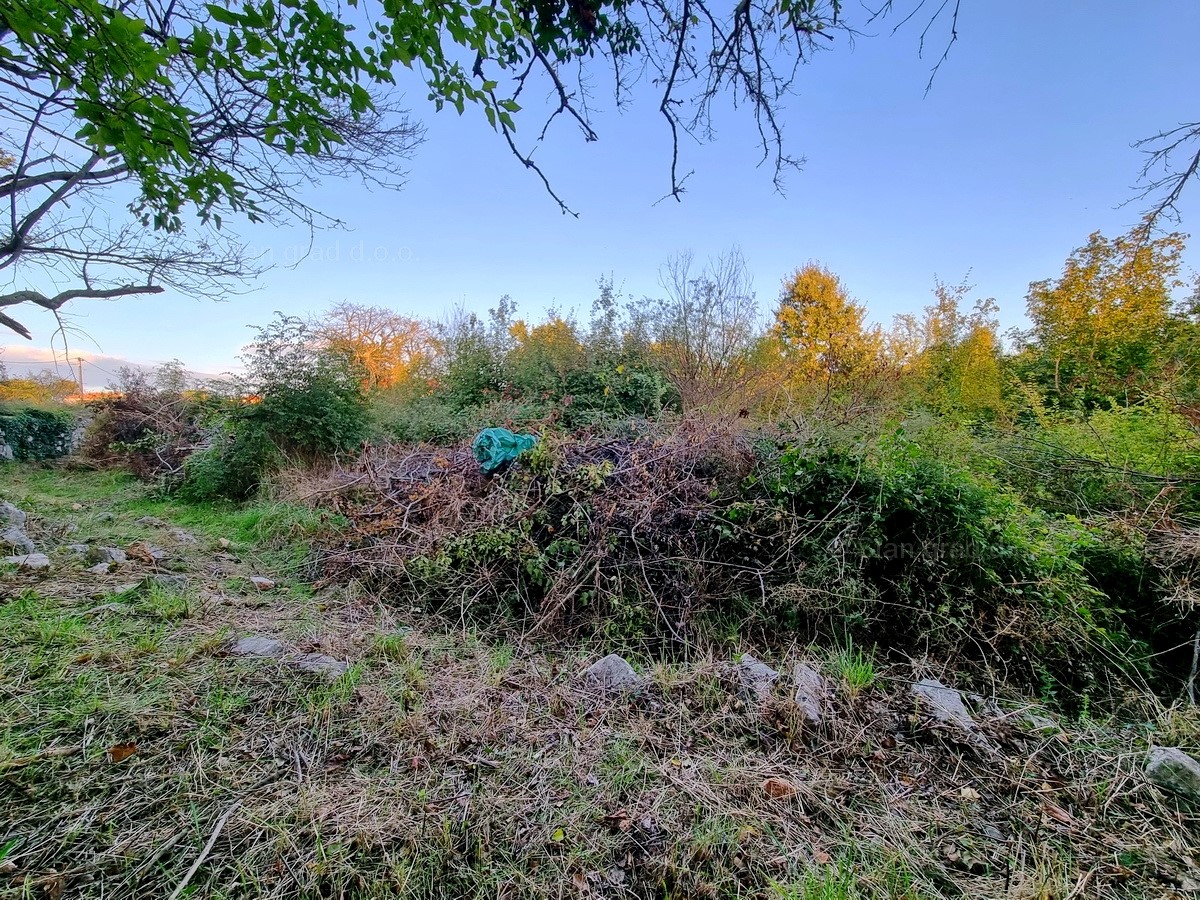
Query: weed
[(854, 668)]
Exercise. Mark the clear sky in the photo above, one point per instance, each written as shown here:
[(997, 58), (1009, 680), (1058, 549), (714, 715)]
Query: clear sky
[(1019, 151)]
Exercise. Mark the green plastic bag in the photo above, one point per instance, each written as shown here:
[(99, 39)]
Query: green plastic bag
[(495, 448)]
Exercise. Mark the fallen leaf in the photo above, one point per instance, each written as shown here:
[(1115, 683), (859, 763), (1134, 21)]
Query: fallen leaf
[(558, 835), (1057, 813), (119, 752), (780, 788), (820, 856), (580, 881), (969, 794)]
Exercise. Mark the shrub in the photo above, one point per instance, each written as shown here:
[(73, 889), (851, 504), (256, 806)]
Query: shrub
[(671, 537), (232, 466), (301, 401)]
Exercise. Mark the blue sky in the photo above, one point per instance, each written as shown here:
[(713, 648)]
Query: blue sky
[(1019, 151)]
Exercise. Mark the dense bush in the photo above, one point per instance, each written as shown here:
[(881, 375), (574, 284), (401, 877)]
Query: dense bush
[(300, 402), (672, 538), (32, 432)]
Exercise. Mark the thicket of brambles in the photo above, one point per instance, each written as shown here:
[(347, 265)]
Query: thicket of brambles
[(1026, 505)]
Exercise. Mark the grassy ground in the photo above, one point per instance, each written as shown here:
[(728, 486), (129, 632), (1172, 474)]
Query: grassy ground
[(139, 759)]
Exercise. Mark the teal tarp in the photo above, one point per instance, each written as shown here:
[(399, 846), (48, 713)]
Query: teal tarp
[(495, 448)]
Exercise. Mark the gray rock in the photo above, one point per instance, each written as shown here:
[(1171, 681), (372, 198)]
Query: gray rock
[(31, 561), (946, 706), (756, 677), (6, 452), (320, 664), (812, 694), (100, 568), (13, 538), (183, 536), (1174, 770), (258, 645), (11, 515), (156, 553), (613, 673), (105, 517), (107, 555), (81, 549), (171, 582), (263, 584), (150, 522)]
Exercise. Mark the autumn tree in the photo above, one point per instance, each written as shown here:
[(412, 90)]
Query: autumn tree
[(42, 387), (545, 354), (386, 347), (1102, 330), (952, 355), (819, 331)]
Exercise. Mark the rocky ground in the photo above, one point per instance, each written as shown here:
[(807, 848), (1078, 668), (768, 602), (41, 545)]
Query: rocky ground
[(184, 713)]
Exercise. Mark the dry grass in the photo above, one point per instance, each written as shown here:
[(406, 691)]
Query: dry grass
[(447, 764)]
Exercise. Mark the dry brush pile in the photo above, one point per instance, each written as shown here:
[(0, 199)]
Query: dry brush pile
[(616, 528), (670, 538)]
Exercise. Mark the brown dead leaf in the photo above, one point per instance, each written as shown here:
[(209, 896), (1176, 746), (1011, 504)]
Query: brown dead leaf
[(969, 794), (1057, 813), (780, 788), (581, 883), (119, 752)]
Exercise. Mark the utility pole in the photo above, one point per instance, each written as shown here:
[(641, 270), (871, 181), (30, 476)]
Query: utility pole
[(79, 361)]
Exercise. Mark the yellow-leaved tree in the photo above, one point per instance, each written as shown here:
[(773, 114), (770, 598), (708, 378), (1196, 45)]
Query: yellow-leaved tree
[(1101, 330), (387, 347), (952, 356), (819, 334), (544, 355)]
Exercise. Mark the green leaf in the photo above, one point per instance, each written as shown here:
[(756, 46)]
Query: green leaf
[(223, 15)]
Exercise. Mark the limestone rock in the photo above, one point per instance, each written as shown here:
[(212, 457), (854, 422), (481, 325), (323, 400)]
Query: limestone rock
[(1174, 770), (320, 664), (80, 549), (812, 693), (257, 645), (13, 538), (946, 706), (263, 584), (107, 555), (150, 522), (11, 515), (100, 568), (613, 673), (756, 677), (30, 561), (183, 536)]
